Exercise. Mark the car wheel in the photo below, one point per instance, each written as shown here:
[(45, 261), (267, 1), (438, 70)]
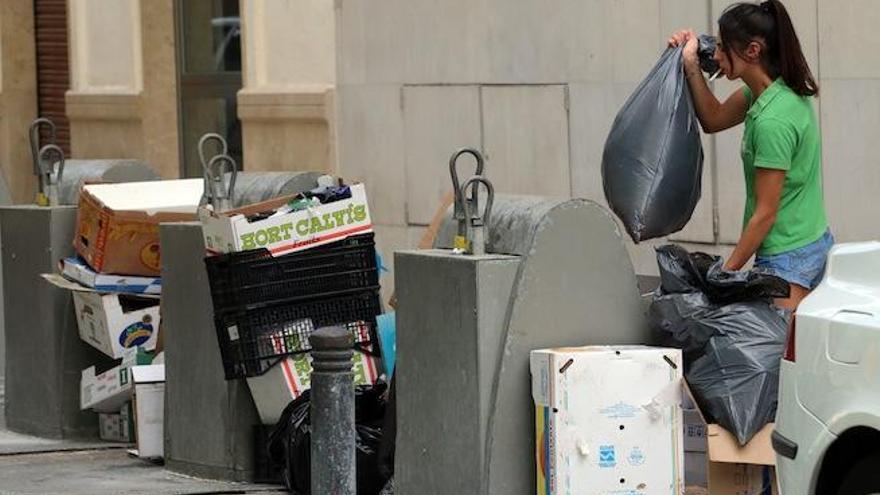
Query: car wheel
[(863, 478)]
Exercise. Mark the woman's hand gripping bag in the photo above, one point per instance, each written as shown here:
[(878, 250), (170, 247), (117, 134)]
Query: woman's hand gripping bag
[(653, 159)]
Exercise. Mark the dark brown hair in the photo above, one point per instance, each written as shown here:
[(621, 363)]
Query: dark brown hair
[(742, 23)]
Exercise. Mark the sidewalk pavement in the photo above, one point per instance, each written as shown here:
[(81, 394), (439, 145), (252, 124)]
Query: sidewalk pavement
[(31, 465)]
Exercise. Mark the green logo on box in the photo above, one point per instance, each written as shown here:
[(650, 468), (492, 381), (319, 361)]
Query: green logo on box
[(307, 226)]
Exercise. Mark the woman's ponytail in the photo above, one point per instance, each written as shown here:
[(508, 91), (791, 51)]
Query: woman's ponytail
[(743, 23), (790, 59)]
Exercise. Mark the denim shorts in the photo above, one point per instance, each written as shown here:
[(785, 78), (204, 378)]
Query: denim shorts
[(804, 266)]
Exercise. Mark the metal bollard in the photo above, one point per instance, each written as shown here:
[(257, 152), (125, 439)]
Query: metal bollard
[(332, 413)]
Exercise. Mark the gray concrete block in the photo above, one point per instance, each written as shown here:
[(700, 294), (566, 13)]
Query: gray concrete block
[(574, 286), (208, 420), (451, 316), (45, 356)]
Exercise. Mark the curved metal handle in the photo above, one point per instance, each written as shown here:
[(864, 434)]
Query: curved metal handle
[(211, 136), (34, 139), (216, 171), (459, 209), (478, 220), (47, 165)]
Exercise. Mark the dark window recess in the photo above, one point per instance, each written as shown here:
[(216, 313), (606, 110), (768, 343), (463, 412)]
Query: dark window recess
[(53, 73)]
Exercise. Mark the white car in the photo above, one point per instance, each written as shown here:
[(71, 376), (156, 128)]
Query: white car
[(827, 437)]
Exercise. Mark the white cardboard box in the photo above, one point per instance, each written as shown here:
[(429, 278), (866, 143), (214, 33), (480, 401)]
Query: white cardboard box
[(149, 410), (109, 391), (231, 230), (112, 323), (106, 325), (117, 427), (288, 379), (76, 269), (608, 420)]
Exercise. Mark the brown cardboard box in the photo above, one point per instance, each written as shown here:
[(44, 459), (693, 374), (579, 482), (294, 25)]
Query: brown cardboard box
[(738, 470), (118, 224)]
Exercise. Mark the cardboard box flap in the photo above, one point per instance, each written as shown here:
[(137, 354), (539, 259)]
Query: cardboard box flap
[(63, 283), (724, 447), (77, 270), (152, 197), (252, 209), (151, 373)]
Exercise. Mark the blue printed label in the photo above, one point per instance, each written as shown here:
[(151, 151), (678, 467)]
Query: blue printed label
[(136, 334), (619, 411), (607, 457), (636, 457)]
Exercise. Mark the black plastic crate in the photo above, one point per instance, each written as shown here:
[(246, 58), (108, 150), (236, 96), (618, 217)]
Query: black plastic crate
[(255, 277), (254, 339)]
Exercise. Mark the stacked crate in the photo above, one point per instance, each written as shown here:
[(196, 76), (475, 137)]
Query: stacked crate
[(266, 307)]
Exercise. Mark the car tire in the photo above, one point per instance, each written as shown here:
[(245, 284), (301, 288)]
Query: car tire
[(863, 478)]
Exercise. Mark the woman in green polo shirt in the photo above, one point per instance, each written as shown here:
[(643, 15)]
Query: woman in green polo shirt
[(785, 226)]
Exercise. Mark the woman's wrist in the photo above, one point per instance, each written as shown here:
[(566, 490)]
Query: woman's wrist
[(692, 69)]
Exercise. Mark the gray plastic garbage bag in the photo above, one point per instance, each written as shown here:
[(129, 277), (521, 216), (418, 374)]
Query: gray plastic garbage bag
[(653, 159), (732, 336)]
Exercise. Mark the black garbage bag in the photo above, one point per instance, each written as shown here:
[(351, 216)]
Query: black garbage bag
[(290, 443), (732, 335), (706, 53), (653, 159)]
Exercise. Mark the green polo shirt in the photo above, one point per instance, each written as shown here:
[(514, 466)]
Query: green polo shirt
[(782, 133)]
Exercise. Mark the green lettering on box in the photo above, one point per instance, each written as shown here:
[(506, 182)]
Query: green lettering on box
[(247, 241), (360, 213), (316, 226), (274, 234), (286, 228)]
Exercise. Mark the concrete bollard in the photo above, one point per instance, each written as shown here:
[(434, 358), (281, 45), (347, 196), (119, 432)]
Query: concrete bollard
[(332, 413)]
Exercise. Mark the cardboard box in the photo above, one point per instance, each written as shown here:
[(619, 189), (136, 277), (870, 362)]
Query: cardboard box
[(729, 469), (109, 391), (288, 379), (608, 420), (77, 270), (118, 224), (113, 323), (695, 431), (117, 427), (231, 230), (696, 466), (149, 410)]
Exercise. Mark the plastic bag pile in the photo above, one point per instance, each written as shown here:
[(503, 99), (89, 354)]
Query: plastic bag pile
[(290, 443), (732, 336)]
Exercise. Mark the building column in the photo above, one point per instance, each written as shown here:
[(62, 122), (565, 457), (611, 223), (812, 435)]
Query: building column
[(18, 100), (123, 97), (286, 105)]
